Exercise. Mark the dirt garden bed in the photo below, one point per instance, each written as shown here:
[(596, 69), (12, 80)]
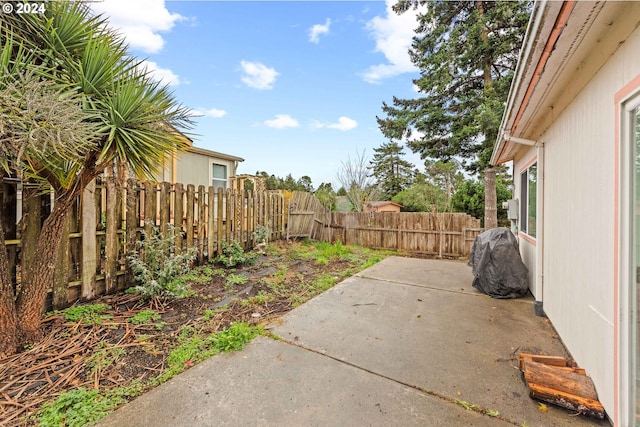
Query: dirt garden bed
[(97, 356)]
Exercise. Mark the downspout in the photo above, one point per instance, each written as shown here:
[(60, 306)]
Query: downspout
[(539, 276), (539, 285)]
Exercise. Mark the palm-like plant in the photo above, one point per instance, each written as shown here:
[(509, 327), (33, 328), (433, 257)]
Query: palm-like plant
[(121, 115)]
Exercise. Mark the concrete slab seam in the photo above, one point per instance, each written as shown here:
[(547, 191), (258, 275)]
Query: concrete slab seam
[(433, 288), (470, 407)]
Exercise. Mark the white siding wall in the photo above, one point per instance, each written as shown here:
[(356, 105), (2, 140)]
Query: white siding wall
[(194, 168), (527, 248), (579, 219)]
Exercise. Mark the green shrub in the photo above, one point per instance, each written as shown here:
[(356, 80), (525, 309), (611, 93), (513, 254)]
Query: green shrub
[(233, 255), (261, 235), (157, 265)]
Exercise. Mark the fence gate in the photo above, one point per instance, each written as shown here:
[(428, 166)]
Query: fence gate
[(303, 217)]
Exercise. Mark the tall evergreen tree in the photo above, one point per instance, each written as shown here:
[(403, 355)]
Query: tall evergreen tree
[(392, 172), (445, 175), (467, 52)]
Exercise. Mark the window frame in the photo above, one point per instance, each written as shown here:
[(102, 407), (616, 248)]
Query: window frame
[(528, 199), (218, 182)]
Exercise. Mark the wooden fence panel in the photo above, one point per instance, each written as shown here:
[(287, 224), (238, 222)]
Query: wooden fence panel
[(178, 214), (437, 234), (107, 224)]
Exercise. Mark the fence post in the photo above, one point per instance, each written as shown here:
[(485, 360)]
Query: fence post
[(165, 206), (178, 214), (228, 232), (190, 208), (149, 208), (251, 223), (210, 222), (202, 211), (111, 234), (220, 227), (89, 240), (131, 222)]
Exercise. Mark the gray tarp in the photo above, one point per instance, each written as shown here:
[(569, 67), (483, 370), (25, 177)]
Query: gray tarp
[(497, 268)]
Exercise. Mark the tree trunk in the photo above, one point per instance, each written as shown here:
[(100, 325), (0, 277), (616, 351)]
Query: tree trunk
[(37, 280), (8, 316), (490, 199)]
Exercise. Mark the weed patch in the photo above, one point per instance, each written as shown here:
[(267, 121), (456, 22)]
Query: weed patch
[(76, 408), (91, 314), (233, 255), (145, 316)]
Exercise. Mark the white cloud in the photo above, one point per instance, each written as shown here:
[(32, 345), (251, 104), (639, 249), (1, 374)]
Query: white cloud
[(163, 75), (317, 30), (393, 35), (139, 21), (212, 112), (282, 121), (344, 124), (257, 75)]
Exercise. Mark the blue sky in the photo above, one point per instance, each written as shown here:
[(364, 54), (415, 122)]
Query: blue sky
[(290, 86)]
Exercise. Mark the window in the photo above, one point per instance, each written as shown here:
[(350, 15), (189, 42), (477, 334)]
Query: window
[(218, 176), (528, 205)]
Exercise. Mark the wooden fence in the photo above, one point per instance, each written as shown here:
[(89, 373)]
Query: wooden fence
[(108, 220), (438, 234)]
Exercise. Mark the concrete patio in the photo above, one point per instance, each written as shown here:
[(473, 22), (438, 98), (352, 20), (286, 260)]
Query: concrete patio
[(405, 342)]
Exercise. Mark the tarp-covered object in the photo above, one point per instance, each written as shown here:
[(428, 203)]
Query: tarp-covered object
[(497, 268)]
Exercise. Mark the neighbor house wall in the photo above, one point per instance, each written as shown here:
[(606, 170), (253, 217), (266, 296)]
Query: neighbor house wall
[(579, 219), (195, 168)]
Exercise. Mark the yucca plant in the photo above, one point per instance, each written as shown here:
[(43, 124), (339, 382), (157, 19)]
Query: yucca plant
[(128, 118)]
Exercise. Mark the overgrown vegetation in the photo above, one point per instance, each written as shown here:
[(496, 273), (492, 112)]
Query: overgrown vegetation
[(157, 264), (233, 255), (90, 314), (77, 408), (138, 343)]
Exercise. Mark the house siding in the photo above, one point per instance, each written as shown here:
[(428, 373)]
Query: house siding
[(527, 245), (195, 168), (579, 219)]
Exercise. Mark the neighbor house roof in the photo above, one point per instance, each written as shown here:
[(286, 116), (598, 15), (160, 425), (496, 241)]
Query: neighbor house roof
[(379, 204), (563, 48), (215, 154), (202, 151)]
